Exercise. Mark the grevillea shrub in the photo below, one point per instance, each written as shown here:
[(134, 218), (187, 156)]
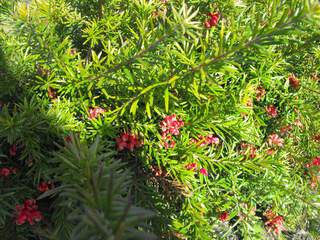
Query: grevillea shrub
[(159, 119)]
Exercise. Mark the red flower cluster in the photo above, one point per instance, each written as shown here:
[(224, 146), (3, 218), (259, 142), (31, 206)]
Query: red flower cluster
[(213, 20), (170, 125), (315, 162), (206, 140), (127, 141), (193, 167), (13, 150), (270, 151), (275, 140), (272, 111), (224, 216), (68, 139), (28, 212), (203, 171), (260, 92), (274, 222), (95, 112), (45, 186), (294, 82), (4, 172), (248, 149)]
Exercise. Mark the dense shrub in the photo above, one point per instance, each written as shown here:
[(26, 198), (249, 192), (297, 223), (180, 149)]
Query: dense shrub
[(206, 113)]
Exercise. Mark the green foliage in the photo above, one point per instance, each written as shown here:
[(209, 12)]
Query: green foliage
[(94, 194), (141, 61)]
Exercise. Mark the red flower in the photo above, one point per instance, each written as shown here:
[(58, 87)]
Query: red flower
[(28, 212), (171, 125), (294, 82), (68, 139), (270, 151), (4, 172), (204, 172), (169, 144), (95, 112), (210, 139), (191, 166), (274, 139), (271, 111), (127, 141), (213, 20), (206, 140), (45, 186), (274, 222), (224, 216), (13, 150), (316, 161), (260, 92)]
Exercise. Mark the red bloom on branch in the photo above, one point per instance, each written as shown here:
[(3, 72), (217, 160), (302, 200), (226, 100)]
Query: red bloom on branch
[(213, 20), (204, 172), (4, 172), (127, 141), (210, 139), (45, 186), (95, 112), (13, 150), (274, 222), (171, 125), (223, 216), (270, 151), (168, 142), (294, 82), (316, 161), (206, 140), (275, 140), (28, 212), (191, 166), (271, 111), (68, 139)]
